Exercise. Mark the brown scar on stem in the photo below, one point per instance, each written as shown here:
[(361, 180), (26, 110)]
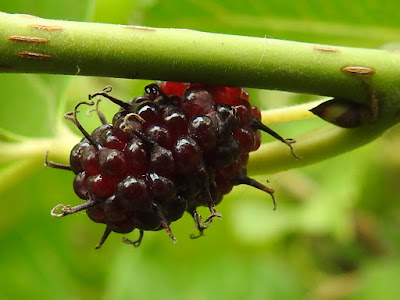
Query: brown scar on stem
[(29, 39), (375, 106), (139, 27), (325, 49), (358, 70), (46, 27), (34, 55)]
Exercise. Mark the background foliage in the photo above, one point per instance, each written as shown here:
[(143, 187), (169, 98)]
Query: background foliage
[(336, 232)]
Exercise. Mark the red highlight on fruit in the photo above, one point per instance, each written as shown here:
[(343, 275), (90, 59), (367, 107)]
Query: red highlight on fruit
[(178, 147)]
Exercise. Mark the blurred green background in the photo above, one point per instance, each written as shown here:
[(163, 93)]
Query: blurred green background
[(335, 235)]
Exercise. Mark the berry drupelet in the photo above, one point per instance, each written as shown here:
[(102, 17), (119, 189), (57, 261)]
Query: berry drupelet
[(178, 147)]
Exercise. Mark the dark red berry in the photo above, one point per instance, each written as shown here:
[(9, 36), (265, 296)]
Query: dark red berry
[(244, 112), (256, 112), (244, 94), (112, 141), (80, 186), (246, 138), (101, 132), (148, 111), (231, 171), (173, 88), (228, 116), (176, 123), (226, 152), (96, 214), (114, 210), (101, 186), (144, 220), (204, 131), (159, 134), (257, 140), (187, 154), (162, 188), (90, 160), (161, 160), (233, 95), (112, 162), (133, 194), (75, 156), (197, 101), (123, 226), (224, 186), (125, 127), (188, 189), (218, 92), (136, 157), (178, 147), (175, 208)]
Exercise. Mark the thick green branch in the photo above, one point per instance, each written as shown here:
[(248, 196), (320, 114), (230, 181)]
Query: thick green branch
[(35, 45)]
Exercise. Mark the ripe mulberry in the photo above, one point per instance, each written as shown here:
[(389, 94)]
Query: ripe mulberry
[(177, 147)]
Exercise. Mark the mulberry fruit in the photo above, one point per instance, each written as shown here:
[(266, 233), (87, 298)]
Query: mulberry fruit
[(177, 147)]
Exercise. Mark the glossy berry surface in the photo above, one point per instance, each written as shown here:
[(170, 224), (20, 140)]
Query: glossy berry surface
[(177, 147)]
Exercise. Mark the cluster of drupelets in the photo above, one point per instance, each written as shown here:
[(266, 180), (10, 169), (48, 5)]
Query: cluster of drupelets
[(178, 147)]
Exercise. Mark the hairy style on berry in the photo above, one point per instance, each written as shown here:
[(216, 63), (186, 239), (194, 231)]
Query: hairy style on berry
[(177, 147)]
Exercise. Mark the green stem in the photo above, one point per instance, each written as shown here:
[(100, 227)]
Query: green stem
[(35, 45), (321, 144), (289, 113), (35, 149)]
